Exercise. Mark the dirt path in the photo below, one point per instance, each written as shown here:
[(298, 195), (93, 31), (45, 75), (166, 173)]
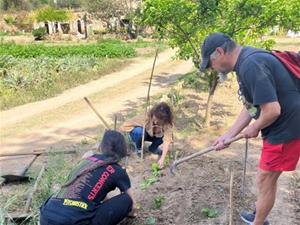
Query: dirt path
[(66, 119)]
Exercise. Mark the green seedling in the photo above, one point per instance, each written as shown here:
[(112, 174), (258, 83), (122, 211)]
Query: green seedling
[(158, 201), (151, 220), (147, 182), (209, 213), (138, 205), (155, 170), (167, 160)]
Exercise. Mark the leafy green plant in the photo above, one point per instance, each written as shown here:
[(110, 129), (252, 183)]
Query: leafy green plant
[(209, 212), (168, 159), (148, 182), (39, 33), (155, 169), (9, 20), (151, 220), (158, 201)]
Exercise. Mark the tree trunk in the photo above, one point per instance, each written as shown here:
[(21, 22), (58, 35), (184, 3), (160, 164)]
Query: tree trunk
[(212, 87), (85, 26)]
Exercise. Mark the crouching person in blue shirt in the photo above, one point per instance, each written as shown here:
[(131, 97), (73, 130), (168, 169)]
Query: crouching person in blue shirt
[(83, 199)]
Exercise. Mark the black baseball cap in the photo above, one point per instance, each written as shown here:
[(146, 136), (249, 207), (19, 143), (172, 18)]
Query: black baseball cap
[(209, 45)]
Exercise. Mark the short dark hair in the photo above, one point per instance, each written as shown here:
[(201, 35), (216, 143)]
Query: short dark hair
[(228, 46), (163, 112), (113, 144)]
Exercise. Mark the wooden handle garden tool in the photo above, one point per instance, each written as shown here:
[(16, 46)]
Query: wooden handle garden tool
[(209, 149), (95, 111)]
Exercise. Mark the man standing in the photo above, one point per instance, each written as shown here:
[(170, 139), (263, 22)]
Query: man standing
[(271, 96)]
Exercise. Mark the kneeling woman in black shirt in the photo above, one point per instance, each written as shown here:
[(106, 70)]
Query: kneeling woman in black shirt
[(82, 200)]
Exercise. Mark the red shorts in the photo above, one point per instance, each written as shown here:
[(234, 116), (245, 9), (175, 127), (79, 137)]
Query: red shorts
[(280, 157)]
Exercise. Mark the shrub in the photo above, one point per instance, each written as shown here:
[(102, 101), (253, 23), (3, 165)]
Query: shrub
[(9, 20), (39, 33)]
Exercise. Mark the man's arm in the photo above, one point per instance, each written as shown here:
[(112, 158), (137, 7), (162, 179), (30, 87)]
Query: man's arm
[(240, 123), (268, 115)]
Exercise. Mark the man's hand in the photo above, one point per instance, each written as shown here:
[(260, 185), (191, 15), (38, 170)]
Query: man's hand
[(251, 131), (220, 142)]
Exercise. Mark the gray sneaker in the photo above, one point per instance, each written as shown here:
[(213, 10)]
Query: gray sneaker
[(249, 218)]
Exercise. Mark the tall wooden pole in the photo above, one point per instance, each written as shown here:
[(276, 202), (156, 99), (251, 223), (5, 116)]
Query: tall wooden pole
[(148, 103)]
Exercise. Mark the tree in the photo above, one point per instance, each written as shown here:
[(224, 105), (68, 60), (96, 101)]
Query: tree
[(51, 14), (34, 4), (110, 10), (185, 24)]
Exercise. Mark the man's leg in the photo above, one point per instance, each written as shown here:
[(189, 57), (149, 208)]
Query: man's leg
[(266, 193)]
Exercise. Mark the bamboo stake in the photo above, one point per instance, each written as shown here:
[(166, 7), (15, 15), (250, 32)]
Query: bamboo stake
[(29, 199), (148, 103)]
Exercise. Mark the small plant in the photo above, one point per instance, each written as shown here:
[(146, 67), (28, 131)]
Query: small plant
[(39, 33), (148, 182), (158, 201), (155, 170), (209, 213), (167, 160), (150, 220), (138, 205)]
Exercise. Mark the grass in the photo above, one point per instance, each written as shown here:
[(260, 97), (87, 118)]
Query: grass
[(42, 81), (13, 198)]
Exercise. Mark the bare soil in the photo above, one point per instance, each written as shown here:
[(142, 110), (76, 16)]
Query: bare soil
[(204, 182)]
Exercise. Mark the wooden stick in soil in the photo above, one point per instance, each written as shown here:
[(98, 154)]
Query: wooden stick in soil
[(29, 199), (231, 197), (26, 215), (147, 104), (95, 111)]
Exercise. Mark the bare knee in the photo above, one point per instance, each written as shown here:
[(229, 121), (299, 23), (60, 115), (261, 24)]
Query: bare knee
[(267, 178)]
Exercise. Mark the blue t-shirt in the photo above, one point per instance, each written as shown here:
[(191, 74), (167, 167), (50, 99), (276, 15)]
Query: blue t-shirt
[(262, 79)]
